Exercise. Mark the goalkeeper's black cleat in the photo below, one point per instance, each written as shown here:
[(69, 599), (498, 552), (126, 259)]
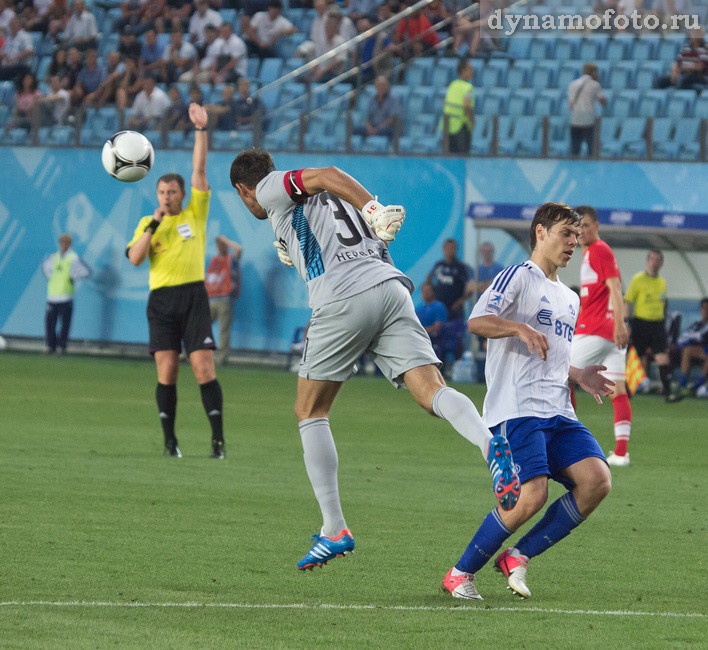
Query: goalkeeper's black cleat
[(218, 451), (172, 450)]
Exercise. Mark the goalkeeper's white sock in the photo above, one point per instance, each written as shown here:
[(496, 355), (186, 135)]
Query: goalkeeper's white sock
[(321, 463), (461, 413)]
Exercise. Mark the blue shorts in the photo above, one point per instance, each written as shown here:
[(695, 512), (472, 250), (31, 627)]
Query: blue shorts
[(546, 446)]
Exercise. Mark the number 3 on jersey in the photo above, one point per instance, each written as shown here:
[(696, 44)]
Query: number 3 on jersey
[(353, 235)]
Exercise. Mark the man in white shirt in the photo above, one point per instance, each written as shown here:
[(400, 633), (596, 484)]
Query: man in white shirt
[(332, 39), (6, 15), (55, 105), (232, 60), (81, 30), (266, 28), (149, 106), (179, 57), (528, 316), (583, 93), (202, 17), (201, 71), (15, 54)]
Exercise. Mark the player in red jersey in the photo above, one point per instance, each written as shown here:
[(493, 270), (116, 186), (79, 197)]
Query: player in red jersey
[(601, 336)]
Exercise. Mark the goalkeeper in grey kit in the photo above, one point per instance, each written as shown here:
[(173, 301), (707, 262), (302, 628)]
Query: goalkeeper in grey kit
[(336, 235)]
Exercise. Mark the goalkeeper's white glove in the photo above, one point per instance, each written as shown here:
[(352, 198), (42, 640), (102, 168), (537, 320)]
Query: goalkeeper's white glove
[(283, 254), (385, 220)]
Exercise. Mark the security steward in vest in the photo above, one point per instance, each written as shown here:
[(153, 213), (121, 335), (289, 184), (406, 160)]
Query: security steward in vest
[(458, 111), (173, 239), (62, 269)]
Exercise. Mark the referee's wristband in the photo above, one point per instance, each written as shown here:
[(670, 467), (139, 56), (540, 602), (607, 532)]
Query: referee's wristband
[(200, 128), (152, 226)]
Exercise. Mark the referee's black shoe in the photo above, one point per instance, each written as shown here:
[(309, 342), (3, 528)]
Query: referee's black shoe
[(171, 449), (218, 451)]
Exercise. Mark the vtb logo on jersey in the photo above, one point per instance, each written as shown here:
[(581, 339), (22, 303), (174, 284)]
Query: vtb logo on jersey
[(564, 330), (494, 301)]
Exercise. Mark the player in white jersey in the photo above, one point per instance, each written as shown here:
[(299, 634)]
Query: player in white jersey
[(333, 232), (528, 316)]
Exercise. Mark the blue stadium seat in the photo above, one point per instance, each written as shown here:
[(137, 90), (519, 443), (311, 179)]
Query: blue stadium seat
[(616, 49), (502, 68), (444, 72), (517, 75), (543, 75), (16, 136), (281, 141), (286, 46), (624, 104), (290, 64), (608, 130), (424, 125), (270, 96), (107, 120), (495, 102), (621, 76), (520, 102), (684, 140), (537, 48), (591, 49), (661, 132), (232, 140), (559, 142), (419, 71), (569, 71), (523, 137), (648, 72), (566, 49), (401, 93), (482, 135), (291, 90), (518, 47), (254, 63), (680, 103), (177, 140), (643, 49), (547, 102), (701, 108), (270, 70), (418, 102), (228, 15), (653, 103), (371, 144), (668, 49), (631, 130)]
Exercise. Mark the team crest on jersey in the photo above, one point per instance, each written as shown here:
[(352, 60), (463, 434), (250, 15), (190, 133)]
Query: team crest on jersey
[(185, 230), (544, 317), (494, 301)]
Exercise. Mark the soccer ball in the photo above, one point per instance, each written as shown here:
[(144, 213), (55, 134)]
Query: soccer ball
[(128, 156)]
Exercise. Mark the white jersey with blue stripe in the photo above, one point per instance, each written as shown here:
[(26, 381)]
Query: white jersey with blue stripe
[(519, 383), (330, 244)]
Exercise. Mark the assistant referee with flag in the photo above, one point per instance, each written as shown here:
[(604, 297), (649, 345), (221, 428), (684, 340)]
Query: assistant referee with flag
[(174, 240)]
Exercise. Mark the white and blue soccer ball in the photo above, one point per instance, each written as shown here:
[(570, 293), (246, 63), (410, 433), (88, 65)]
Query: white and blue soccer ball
[(128, 156)]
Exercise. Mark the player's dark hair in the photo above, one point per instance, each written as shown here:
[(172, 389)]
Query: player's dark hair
[(462, 64), (656, 251), (250, 167), (168, 178), (549, 214), (587, 211), (704, 301)]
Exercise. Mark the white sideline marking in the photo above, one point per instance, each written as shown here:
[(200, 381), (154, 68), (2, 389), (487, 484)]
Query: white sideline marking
[(398, 608)]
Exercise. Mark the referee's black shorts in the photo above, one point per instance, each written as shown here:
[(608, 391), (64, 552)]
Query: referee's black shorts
[(178, 315), (649, 334)]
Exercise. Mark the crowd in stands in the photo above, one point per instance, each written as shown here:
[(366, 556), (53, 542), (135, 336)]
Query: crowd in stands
[(149, 58)]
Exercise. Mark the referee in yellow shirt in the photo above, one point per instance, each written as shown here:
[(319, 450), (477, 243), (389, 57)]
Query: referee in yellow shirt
[(173, 239), (647, 294)]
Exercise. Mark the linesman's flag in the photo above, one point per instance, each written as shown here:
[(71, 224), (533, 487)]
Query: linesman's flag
[(634, 372)]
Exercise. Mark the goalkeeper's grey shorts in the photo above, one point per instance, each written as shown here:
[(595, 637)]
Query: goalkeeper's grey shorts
[(380, 322)]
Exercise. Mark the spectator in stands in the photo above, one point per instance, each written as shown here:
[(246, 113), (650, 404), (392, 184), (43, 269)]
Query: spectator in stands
[(317, 30), (384, 111), (336, 64), (128, 44), (89, 79), (177, 13), (62, 269), (224, 112), (247, 109), (130, 85), (267, 28), (58, 65), (179, 57), (431, 313), (223, 285), (488, 269), (376, 48), (202, 17), (16, 53), (203, 69), (107, 91), (149, 106), (151, 56), (693, 344), (436, 12), (357, 9), (583, 94), (458, 110), (232, 59), (414, 35), (142, 15), (81, 30), (7, 13), (178, 113), (690, 70), (26, 102), (452, 280), (74, 63), (53, 21), (54, 106)]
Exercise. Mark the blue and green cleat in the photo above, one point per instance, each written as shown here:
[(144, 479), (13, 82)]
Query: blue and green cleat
[(325, 549), (507, 487)]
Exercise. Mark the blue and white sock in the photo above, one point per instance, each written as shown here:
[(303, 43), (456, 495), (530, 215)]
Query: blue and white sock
[(560, 518), (485, 543)]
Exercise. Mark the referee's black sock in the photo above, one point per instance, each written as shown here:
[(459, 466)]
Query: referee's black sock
[(665, 376), (166, 396), (212, 399)]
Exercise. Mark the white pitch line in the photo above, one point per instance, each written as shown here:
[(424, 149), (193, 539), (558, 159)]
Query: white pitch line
[(397, 608)]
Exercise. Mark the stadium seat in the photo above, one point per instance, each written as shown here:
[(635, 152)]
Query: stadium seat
[(668, 49), (520, 102), (653, 103), (419, 71), (621, 76), (701, 107), (631, 131), (680, 103), (537, 48), (286, 46), (495, 102), (231, 140), (177, 140), (647, 73), (270, 70), (591, 49), (444, 72), (254, 63), (501, 66), (543, 75), (518, 47), (482, 135), (547, 102), (643, 49), (684, 143), (616, 49), (290, 64), (569, 71), (522, 137), (566, 49)]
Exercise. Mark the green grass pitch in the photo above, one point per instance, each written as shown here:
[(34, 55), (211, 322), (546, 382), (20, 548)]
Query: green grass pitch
[(91, 512)]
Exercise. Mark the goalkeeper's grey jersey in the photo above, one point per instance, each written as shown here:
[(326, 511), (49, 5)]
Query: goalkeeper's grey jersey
[(333, 249)]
